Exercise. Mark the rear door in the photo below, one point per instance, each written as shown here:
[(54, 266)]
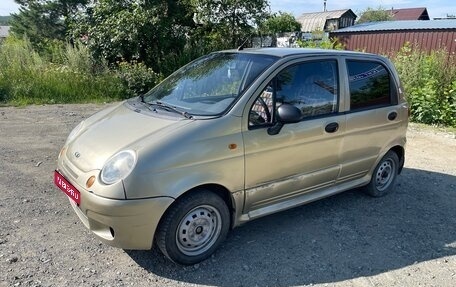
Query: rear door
[(373, 118)]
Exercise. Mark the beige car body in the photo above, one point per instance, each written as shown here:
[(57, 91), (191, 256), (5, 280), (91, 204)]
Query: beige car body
[(255, 173)]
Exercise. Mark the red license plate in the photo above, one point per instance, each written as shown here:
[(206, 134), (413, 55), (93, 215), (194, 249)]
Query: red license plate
[(67, 187)]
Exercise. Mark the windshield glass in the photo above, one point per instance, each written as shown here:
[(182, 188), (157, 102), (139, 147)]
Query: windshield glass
[(209, 85)]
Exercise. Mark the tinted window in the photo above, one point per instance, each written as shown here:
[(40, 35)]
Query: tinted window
[(369, 85)]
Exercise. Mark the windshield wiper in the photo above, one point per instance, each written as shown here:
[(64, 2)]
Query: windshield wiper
[(164, 106), (170, 108)]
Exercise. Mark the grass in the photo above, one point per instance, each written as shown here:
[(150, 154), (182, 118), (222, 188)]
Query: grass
[(28, 78)]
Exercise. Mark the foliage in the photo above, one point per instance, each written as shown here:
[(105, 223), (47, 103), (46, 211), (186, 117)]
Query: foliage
[(28, 78), (162, 34), (136, 77), (325, 43), (280, 23), (45, 21), (130, 30), (374, 15), (174, 60), (228, 23), (429, 81)]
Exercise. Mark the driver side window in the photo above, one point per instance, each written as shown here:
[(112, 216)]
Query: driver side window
[(311, 86)]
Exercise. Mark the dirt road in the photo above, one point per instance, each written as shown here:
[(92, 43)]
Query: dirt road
[(407, 238)]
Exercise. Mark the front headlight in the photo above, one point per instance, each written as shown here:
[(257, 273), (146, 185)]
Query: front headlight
[(75, 132), (118, 167)]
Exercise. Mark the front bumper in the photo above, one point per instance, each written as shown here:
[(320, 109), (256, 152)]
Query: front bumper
[(127, 224), (119, 222)]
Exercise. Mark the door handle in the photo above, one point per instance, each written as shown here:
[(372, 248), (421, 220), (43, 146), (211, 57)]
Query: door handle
[(392, 116), (332, 127)]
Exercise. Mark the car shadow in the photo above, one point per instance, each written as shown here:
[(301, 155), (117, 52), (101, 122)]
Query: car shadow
[(343, 237)]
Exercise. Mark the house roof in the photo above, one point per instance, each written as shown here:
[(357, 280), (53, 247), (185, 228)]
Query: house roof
[(410, 14), (316, 21), (400, 25), (4, 31)]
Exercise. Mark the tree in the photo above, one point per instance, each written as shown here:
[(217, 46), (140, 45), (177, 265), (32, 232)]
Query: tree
[(373, 15), (280, 23), (229, 22), (45, 20), (147, 31)]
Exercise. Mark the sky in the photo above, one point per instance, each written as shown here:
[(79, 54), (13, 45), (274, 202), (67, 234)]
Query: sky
[(436, 8)]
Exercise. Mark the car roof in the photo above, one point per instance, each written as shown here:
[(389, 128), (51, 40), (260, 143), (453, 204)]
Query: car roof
[(285, 52)]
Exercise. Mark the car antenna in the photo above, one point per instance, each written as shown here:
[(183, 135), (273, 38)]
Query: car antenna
[(240, 48)]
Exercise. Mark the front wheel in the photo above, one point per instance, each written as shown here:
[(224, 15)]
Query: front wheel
[(384, 175), (193, 227)]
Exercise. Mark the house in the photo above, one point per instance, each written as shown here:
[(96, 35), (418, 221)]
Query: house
[(326, 21), (420, 13), (4, 32), (389, 37), (314, 26)]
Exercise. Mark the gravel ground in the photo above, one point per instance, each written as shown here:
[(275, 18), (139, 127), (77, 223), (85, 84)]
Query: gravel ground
[(407, 238)]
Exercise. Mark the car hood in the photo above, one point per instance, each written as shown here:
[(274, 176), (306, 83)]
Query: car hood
[(105, 134)]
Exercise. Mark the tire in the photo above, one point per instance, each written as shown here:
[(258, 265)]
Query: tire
[(193, 227), (384, 176)]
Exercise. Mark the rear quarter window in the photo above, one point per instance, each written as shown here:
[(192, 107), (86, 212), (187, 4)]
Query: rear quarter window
[(370, 85)]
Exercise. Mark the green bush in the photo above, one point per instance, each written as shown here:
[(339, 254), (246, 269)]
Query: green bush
[(136, 77), (429, 81)]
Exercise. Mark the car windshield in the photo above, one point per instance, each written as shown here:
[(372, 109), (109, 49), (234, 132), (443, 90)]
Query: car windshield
[(209, 85)]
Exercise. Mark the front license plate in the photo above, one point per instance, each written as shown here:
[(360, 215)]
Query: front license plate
[(67, 187)]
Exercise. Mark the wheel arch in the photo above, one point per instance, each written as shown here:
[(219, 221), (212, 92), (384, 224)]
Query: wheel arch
[(400, 151), (218, 189)]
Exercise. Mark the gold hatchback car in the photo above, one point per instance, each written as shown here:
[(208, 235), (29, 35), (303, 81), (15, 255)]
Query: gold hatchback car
[(230, 137)]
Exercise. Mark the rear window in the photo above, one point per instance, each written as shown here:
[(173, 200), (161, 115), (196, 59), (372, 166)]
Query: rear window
[(370, 85)]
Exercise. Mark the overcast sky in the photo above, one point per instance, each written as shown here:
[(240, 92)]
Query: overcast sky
[(436, 8)]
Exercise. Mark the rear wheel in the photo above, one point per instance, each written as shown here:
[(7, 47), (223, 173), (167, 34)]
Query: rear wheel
[(384, 175), (193, 227)]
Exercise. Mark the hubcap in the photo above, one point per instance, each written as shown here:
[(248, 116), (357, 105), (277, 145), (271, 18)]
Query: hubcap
[(385, 175), (198, 230)]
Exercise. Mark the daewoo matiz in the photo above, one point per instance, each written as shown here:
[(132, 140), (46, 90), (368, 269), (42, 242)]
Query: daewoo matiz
[(230, 137)]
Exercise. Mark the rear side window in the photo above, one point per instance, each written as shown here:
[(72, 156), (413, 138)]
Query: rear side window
[(370, 85)]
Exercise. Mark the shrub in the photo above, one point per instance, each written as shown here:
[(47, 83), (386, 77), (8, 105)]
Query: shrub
[(136, 77), (429, 81)]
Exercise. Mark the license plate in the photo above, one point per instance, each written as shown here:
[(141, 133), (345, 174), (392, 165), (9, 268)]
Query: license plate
[(67, 187)]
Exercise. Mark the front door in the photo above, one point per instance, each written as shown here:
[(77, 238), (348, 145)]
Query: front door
[(303, 156)]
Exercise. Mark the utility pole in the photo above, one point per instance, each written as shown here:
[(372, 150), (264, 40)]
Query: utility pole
[(324, 5)]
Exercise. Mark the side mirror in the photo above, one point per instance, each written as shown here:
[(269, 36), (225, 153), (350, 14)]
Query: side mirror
[(289, 114), (286, 114)]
